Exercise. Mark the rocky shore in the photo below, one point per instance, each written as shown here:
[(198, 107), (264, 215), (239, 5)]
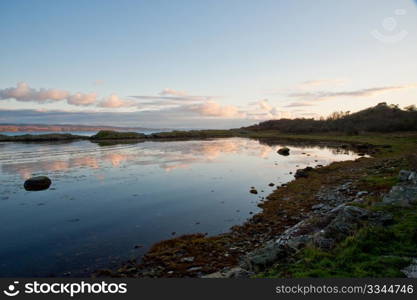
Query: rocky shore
[(321, 208)]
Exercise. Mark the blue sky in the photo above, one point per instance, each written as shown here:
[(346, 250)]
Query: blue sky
[(202, 63)]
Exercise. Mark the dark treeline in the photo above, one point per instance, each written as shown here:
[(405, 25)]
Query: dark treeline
[(380, 118)]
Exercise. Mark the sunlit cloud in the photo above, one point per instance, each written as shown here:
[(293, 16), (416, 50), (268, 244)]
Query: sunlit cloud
[(214, 109), (114, 101), (24, 93)]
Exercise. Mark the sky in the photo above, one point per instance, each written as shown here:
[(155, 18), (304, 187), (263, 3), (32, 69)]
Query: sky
[(202, 64)]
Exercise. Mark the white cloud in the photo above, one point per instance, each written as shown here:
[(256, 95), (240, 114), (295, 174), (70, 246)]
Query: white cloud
[(24, 93), (113, 101), (82, 99)]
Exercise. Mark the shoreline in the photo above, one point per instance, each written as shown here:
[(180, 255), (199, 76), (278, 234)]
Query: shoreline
[(221, 256), (196, 255)]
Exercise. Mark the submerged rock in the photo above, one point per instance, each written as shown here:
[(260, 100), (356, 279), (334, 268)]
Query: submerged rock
[(37, 183), (253, 191), (284, 151)]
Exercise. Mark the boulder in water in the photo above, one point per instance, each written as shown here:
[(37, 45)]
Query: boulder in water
[(284, 151), (37, 183)]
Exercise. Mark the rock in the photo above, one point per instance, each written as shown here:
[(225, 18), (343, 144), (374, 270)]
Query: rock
[(346, 220), (37, 183), (317, 206), (194, 269), (236, 272), (284, 151), (361, 193), (261, 258), (404, 194), (302, 173), (271, 184), (187, 259), (405, 176), (253, 191), (411, 270)]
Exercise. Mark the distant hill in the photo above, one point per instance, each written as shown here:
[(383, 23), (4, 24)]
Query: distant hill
[(65, 128), (380, 118)]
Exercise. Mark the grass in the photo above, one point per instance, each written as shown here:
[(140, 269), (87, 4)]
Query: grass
[(374, 251)]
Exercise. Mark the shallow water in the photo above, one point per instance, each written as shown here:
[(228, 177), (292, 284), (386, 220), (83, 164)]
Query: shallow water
[(105, 200)]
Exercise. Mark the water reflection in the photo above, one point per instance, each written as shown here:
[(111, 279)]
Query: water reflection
[(105, 200)]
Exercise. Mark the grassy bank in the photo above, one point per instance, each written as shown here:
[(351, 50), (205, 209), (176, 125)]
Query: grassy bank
[(374, 251)]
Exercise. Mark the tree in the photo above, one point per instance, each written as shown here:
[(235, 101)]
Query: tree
[(411, 107)]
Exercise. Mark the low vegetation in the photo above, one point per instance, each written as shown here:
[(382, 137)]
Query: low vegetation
[(115, 135), (41, 137), (381, 118)]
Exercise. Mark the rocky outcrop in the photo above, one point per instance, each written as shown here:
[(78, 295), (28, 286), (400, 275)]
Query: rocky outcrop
[(323, 232), (411, 270), (404, 194), (37, 183)]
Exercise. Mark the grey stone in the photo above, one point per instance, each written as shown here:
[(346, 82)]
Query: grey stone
[(187, 259), (361, 193), (403, 194), (263, 257), (236, 272), (194, 269), (411, 270)]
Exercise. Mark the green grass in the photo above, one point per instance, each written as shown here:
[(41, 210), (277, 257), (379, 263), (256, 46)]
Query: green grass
[(374, 251)]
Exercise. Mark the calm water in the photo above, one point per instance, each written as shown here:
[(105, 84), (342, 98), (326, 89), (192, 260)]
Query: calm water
[(104, 200)]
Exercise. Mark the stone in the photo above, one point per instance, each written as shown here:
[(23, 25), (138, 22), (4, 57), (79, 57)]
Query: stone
[(236, 272), (253, 191), (317, 206), (261, 258), (361, 193), (187, 259), (37, 183), (284, 151), (411, 270), (302, 173), (194, 269), (404, 194)]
